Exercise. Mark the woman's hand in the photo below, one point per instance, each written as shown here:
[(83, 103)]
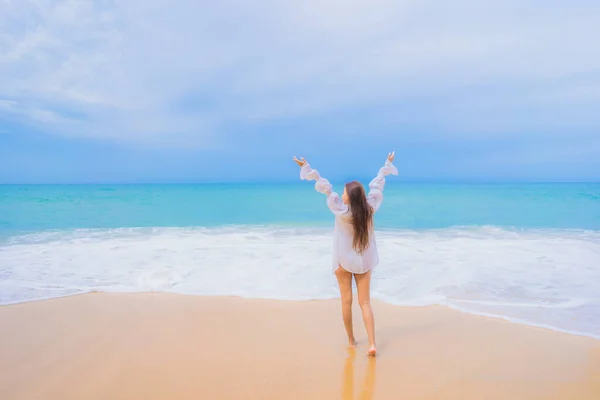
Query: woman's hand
[(300, 162), (391, 156)]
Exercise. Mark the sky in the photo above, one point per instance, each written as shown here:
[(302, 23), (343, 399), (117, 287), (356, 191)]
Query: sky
[(229, 91)]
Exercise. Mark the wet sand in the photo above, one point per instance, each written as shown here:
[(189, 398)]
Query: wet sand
[(168, 346)]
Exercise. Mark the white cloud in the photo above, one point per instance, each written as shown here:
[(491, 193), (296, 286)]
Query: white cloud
[(154, 71)]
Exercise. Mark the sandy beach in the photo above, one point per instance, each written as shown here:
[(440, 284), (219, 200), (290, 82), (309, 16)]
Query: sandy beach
[(168, 346)]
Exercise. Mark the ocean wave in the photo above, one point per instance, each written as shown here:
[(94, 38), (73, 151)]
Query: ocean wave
[(544, 277)]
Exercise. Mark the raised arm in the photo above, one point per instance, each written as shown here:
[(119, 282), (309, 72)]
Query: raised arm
[(322, 185), (375, 196)]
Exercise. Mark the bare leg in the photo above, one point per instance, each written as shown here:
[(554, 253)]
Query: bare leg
[(363, 284), (345, 282)]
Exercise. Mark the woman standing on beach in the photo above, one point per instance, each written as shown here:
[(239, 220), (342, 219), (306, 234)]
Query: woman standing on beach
[(354, 247)]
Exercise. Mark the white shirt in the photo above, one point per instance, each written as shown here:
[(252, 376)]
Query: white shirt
[(343, 252)]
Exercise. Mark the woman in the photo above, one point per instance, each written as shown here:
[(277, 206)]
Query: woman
[(354, 247)]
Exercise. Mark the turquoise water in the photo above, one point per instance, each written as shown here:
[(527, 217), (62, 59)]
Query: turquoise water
[(529, 253), (25, 208)]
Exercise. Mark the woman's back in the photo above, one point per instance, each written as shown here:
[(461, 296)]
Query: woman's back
[(345, 245), (344, 253)]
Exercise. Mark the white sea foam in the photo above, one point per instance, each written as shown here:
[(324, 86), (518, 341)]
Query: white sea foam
[(548, 278)]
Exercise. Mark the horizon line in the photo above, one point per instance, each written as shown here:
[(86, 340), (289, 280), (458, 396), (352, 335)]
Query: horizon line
[(299, 182)]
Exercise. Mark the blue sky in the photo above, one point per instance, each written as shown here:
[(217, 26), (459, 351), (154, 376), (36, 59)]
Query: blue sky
[(193, 91)]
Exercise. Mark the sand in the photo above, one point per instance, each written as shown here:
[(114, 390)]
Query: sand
[(168, 346)]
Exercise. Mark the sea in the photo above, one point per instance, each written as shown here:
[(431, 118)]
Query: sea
[(528, 253)]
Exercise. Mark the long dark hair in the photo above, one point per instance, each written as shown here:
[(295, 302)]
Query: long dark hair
[(361, 214)]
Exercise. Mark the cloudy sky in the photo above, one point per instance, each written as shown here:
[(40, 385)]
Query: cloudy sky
[(194, 91)]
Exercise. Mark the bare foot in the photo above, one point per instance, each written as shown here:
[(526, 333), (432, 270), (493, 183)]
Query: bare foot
[(352, 344), (372, 351)]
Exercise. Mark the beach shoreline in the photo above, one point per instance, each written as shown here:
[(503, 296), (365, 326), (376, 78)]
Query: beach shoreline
[(163, 345), (374, 297)]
